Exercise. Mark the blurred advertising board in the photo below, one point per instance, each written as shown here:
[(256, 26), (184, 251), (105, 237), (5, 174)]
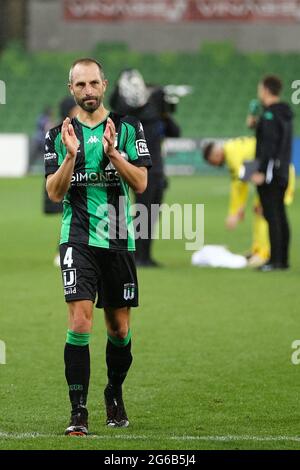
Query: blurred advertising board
[(182, 10)]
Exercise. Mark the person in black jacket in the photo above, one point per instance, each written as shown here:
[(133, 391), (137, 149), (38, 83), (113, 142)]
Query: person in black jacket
[(149, 105), (274, 132)]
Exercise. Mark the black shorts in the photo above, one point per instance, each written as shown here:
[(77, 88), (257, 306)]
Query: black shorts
[(88, 272)]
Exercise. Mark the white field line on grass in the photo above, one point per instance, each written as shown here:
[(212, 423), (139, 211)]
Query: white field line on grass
[(125, 437), (237, 438)]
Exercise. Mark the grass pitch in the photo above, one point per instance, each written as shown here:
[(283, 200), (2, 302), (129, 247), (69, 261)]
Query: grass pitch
[(212, 347)]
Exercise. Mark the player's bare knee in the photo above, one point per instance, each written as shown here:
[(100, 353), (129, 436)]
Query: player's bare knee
[(81, 324), (118, 322), (80, 318), (121, 332)]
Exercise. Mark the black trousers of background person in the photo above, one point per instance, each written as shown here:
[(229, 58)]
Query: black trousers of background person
[(272, 201), (152, 195)]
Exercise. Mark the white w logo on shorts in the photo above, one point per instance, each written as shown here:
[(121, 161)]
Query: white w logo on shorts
[(129, 291)]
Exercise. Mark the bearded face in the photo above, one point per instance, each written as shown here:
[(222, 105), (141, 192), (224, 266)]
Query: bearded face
[(89, 103), (88, 86)]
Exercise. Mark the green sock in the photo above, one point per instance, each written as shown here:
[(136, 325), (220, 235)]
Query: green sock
[(120, 343), (78, 339)]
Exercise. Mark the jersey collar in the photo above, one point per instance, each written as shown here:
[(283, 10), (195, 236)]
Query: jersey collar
[(97, 125)]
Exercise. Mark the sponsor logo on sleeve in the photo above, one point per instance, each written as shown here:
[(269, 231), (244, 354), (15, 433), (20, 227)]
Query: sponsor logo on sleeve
[(50, 156), (142, 148)]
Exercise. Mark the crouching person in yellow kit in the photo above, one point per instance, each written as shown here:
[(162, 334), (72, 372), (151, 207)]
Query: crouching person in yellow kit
[(233, 153)]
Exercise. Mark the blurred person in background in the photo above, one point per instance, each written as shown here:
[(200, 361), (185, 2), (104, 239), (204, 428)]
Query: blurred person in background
[(233, 153), (44, 122), (149, 104), (274, 134), (67, 108)]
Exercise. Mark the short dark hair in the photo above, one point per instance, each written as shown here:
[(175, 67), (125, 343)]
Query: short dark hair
[(207, 148), (86, 61), (273, 83)]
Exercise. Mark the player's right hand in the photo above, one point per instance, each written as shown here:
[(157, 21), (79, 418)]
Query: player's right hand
[(254, 108), (69, 138)]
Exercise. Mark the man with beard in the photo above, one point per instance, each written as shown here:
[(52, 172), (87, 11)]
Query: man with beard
[(91, 162)]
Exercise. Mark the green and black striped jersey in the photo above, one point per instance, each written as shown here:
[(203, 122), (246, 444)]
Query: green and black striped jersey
[(97, 204)]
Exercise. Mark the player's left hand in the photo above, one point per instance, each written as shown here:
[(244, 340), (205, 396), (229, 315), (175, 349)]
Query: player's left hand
[(109, 137), (258, 210), (231, 222), (241, 214)]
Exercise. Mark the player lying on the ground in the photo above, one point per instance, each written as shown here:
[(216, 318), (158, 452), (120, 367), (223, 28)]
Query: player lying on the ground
[(233, 153)]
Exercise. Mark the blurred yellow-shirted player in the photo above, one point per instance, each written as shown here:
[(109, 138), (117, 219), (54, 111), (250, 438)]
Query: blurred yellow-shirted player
[(233, 153)]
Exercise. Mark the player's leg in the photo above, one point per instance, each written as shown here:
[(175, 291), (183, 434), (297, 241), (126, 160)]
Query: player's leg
[(260, 239), (77, 363), (118, 352), (285, 230), (118, 360), (272, 196), (118, 292), (265, 194), (79, 272)]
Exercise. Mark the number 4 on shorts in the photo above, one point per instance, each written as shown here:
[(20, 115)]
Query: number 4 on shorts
[(68, 260)]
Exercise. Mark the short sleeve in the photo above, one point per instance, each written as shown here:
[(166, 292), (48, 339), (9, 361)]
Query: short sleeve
[(50, 156), (136, 146)]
